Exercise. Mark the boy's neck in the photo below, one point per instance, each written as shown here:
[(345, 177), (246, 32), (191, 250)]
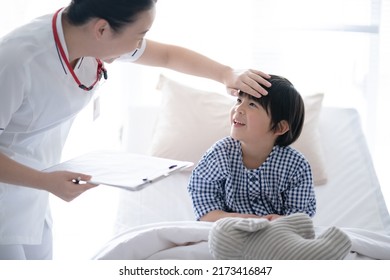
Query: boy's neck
[(252, 157)]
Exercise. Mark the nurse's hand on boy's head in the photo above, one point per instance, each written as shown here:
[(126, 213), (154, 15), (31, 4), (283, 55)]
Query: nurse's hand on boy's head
[(249, 81), (63, 185)]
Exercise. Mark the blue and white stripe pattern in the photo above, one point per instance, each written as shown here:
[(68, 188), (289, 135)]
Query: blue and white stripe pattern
[(287, 238), (282, 185)]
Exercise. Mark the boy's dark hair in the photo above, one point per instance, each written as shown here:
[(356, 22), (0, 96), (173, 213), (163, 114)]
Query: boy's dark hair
[(116, 12), (283, 102)]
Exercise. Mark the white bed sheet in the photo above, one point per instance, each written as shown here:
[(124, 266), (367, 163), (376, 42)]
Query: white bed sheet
[(188, 240), (352, 196)]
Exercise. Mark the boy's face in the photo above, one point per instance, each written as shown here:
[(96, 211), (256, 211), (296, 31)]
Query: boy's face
[(250, 122)]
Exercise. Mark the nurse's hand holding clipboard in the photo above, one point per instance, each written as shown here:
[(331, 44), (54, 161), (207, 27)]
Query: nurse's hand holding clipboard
[(59, 183), (64, 185)]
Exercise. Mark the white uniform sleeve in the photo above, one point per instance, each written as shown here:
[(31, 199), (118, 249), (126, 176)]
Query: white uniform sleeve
[(134, 55)]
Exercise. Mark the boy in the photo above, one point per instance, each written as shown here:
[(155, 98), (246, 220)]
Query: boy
[(254, 172)]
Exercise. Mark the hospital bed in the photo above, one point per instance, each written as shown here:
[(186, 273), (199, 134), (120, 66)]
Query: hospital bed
[(158, 222)]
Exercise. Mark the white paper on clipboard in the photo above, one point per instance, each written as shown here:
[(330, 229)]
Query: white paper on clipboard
[(123, 170)]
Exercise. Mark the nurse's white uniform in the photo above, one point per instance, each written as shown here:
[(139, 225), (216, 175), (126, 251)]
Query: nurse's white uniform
[(39, 100)]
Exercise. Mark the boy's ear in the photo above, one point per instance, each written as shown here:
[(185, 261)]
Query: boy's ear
[(282, 127)]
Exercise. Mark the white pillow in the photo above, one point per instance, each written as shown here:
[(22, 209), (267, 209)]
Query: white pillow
[(190, 121), (309, 142)]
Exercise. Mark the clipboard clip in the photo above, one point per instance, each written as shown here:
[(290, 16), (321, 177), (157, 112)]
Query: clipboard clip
[(151, 179)]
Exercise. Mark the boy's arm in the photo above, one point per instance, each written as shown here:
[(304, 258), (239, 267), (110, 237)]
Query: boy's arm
[(205, 192), (300, 197)]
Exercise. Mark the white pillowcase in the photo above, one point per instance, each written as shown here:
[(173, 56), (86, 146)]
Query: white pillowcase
[(190, 121), (309, 142)]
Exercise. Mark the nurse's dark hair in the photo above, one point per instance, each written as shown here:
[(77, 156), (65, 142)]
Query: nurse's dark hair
[(117, 12), (283, 102)]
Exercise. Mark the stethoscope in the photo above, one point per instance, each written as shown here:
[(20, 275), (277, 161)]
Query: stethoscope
[(101, 71)]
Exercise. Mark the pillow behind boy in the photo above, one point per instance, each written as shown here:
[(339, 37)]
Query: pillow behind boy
[(190, 121)]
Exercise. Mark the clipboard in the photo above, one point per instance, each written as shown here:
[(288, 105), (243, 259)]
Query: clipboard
[(132, 172), (144, 182)]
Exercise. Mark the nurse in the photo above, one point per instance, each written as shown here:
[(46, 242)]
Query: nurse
[(48, 72)]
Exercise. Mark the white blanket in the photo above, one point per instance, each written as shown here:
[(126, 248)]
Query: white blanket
[(188, 240)]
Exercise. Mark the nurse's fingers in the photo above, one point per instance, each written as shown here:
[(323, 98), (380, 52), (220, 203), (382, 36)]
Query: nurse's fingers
[(79, 178), (67, 185), (253, 82)]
